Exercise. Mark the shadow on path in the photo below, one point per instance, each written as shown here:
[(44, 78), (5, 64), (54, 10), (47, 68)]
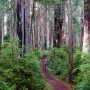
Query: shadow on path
[(57, 85)]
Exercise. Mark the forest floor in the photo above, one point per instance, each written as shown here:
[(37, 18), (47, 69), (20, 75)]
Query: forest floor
[(56, 84)]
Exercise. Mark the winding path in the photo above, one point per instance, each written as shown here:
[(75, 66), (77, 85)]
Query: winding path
[(57, 85)]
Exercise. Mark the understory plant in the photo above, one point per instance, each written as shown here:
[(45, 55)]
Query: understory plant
[(83, 77), (58, 62), (58, 65), (44, 53), (18, 73)]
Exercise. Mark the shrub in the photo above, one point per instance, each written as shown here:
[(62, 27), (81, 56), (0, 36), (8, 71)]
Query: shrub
[(20, 73), (44, 53), (77, 54), (58, 62), (83, 78), (58, 65)]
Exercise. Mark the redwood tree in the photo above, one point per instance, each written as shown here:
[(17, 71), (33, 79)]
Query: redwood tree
[(58, 25), (70, 40), (86, 37)]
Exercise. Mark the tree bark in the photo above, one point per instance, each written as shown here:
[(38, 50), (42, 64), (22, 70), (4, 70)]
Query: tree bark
[(15, 18), (86, 37), (31, 24), (82, 31), (11, 23), (27, 25), (2, 22), (19, 29), (70, 41), (2, 28), (65, 23), (58, 25), (47, 27), (0, 35), (39, 28)]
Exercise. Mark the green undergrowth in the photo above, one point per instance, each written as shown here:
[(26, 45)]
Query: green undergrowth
[(82, 78), (48, 86), (44, 53), (20, 73), (58, 62), (58, 66)]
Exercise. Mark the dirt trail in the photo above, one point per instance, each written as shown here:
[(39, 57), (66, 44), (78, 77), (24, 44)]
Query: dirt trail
[(57, 85)]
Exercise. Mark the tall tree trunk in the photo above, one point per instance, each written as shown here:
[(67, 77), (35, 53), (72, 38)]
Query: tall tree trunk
[(58, 25), (82, 31), (19, 29), (65, 23), (51, 25), (3, 27), (47, 27), (42, 12), (31, 24), (70, 41), (11, 23), (36, 25), (15, 18), (86, 37), (23, 27), (27, 25), (0, 35), (33, 36), (2, 22), (39, 28)]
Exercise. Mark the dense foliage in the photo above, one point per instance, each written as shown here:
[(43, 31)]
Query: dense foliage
[(83, 75), (58, 62), (58, 65), (19, 73)]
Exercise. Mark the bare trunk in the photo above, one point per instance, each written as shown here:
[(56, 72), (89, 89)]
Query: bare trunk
[(51, 25), (31, 24), (82, 33), (86, 37), (23, 26), (2, 23), (15, 18), (27, 25), (42, 25), (11, 24), (48, 27), (2, 28), (39, 31), (70, 41), (58, 25), (19, 29), (65, 24), (0, 37)]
